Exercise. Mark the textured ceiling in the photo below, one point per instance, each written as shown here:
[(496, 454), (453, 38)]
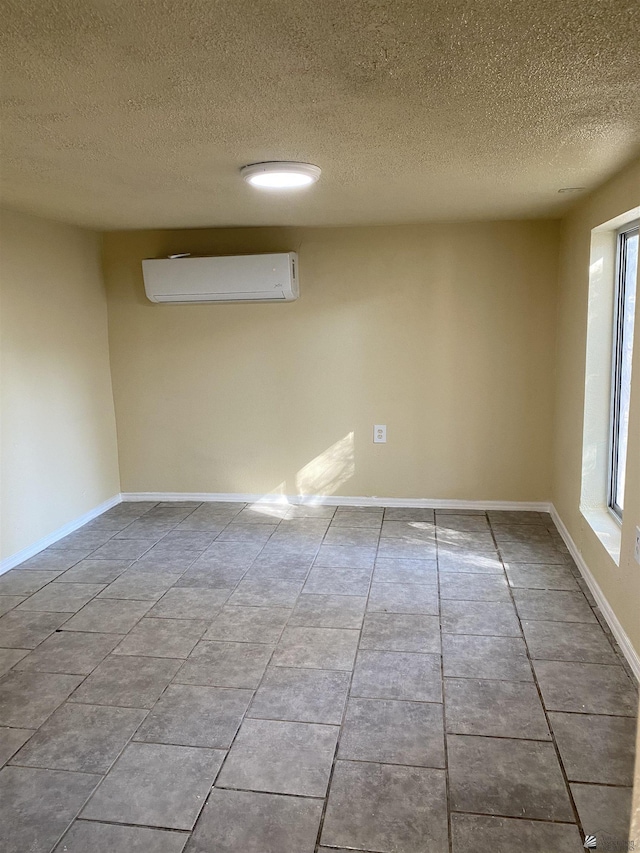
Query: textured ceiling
[(139, 113)]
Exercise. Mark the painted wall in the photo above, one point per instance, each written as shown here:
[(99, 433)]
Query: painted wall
[(58, 438), (620, 584), (443, 332)]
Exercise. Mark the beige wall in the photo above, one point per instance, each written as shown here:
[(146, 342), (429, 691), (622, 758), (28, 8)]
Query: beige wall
[(59, 456), (620, 584), (443, 332)]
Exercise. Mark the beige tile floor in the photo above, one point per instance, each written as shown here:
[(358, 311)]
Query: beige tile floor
[(222, 678)]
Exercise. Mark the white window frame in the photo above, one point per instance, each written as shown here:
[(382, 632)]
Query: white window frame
[(620, 304)]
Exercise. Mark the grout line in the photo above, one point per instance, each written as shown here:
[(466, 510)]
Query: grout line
[(517, 817), (592, 714), (444, 709), (601, 784), (350, 760), (546, 714), (501, 737), (244, 716), (269, 793), (347, 697), (91, 820)]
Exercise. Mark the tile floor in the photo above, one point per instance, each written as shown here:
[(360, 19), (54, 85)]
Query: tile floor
[(221, 678)]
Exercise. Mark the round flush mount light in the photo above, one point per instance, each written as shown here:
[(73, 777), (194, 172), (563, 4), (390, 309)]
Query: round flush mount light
[(571, 190), (280, 175)]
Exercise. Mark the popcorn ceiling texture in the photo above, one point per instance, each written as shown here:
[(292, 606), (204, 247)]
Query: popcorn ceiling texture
[(130, 114)]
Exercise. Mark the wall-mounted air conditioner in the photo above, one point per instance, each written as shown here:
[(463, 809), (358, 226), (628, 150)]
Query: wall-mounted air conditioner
[(235, 278)]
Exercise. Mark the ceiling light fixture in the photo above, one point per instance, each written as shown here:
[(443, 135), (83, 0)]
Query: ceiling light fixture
[(571, 190), (280, 175)]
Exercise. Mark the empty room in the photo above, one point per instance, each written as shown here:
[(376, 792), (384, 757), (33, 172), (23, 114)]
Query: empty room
[(320, 426)]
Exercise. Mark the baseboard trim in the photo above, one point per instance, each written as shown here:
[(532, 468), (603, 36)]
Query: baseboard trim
[(61, 532), (632, 656), (337, 500)]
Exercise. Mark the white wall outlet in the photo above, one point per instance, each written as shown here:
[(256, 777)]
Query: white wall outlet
[(637, 550), (380, 434)]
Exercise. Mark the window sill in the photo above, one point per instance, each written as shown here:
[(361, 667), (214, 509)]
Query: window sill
[(607, 529)]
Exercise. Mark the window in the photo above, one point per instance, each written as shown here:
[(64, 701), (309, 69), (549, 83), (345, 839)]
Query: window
[(625, 303)]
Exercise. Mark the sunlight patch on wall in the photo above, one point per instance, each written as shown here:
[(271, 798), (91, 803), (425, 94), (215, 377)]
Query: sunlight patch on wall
[(329, 470)]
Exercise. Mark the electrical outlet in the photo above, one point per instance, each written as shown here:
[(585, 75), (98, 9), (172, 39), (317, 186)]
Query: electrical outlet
[(637, 551), (380, 434)]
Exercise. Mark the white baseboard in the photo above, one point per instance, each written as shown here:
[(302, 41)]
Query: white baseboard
[(61, 532), (617, 630), (337, 500)]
